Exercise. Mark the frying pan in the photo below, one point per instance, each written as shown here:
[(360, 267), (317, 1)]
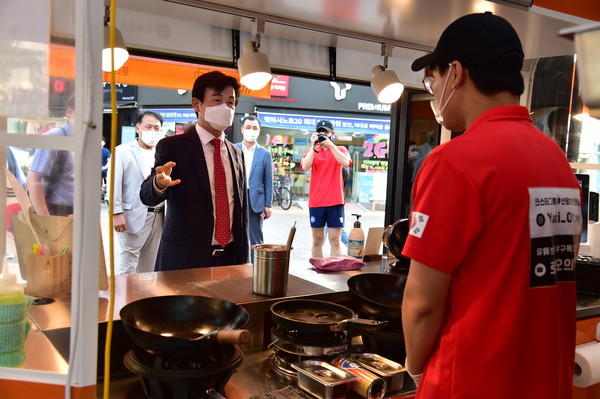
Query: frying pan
[(379, 296), (184, 326), (315, 316)]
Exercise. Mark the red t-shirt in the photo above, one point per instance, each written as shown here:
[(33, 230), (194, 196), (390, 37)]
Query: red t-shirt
[(499, 208), (326, 181)]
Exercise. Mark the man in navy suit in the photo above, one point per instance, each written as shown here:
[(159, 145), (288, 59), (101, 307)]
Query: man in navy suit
[(199, 173), (259, 173)]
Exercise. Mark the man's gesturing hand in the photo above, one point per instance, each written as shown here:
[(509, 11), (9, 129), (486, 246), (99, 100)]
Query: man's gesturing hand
[(163, 176)]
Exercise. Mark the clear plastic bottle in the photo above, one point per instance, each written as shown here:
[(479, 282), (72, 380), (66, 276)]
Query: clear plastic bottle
[(356, 240), (10, 291)]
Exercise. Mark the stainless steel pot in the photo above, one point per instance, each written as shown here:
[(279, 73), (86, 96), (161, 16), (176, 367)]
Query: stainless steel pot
[(271, 269)]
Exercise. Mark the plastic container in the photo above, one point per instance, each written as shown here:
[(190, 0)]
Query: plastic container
[(14, 325), (356, 240), (9, 288)]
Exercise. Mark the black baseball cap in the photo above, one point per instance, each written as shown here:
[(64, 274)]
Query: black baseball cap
[(480, 40), (324, 124)]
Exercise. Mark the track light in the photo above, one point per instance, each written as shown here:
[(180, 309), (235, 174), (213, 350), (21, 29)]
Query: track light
[(121, 53), (254, 67), (385, 83)]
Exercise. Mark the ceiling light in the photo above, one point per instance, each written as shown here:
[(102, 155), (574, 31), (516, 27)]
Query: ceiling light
[(254, 67), (120, 50), (385, 83)]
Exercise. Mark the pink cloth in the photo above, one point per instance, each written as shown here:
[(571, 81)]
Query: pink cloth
[(337, 263)]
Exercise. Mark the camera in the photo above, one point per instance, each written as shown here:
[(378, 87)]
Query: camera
[(321, 137)]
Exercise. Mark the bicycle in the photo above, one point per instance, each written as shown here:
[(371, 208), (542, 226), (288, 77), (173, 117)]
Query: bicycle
[(282, 194)]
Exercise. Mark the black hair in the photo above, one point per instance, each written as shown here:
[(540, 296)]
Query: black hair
[(152, 113), (215, 80), (411, 143), (250, 118), (489, 81)]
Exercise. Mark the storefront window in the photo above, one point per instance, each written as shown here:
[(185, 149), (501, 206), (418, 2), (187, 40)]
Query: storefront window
[(287, 136), (557, 110), (40, 152)]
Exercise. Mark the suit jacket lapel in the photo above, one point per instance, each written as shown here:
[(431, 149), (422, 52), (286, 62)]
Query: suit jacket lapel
[(236, 168), (196, 154), (255, 159), (139, 158)]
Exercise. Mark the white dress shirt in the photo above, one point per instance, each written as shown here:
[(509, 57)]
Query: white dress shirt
[(248, 158), (209, 156)]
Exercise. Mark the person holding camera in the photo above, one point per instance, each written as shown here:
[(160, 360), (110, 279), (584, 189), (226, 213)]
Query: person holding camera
[(326, 194)]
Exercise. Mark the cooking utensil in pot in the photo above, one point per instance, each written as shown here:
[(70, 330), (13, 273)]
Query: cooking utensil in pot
[(184, 326), (291, 237), (379, 296), (311, 315)]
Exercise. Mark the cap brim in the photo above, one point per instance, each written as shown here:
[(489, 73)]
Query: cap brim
[(324, 128), (423, 62)]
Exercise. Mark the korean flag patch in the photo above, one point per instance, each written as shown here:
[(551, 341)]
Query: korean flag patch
[(418, 221)]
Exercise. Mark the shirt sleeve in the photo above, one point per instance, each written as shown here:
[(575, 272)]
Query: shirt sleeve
[(345, 151), (42, 162), (304, 156), (446, 214)]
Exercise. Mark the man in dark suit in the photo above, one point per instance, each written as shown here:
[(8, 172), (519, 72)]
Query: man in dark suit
[(259, 172), (202, 177)]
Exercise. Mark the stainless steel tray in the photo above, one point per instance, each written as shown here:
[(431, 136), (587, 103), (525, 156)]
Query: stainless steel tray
[(392, 373), (323, 380)]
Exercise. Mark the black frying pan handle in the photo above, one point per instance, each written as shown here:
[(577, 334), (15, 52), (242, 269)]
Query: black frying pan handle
[(365, 323)]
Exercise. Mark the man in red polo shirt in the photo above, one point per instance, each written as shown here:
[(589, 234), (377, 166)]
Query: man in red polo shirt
[(489, 304), (326, 194)]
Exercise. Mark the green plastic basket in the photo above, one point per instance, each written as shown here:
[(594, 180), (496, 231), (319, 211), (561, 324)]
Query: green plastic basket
[(13, 335), (16, 311), (13, 359)]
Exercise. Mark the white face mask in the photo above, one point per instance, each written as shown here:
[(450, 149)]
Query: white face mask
[(220, 117), (437, 112), (250, 135), (413, 155), (151, 137)]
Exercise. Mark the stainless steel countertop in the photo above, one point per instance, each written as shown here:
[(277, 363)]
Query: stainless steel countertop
[(233, 283)]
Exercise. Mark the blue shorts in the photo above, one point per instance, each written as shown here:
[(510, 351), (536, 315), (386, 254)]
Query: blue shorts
[(332, 216)]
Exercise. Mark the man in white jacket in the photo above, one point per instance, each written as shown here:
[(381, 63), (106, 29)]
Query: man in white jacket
[(139, 227)]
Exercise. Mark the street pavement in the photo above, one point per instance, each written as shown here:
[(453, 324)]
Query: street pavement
[(275, 229)]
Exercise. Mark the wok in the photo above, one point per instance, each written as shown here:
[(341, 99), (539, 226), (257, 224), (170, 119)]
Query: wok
[(311, 315), (379, 296), (184, 326)]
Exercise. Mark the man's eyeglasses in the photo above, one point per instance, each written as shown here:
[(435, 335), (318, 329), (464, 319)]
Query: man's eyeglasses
[(428, 83)]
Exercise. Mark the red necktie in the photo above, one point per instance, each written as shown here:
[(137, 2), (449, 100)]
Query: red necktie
[(222, 229)]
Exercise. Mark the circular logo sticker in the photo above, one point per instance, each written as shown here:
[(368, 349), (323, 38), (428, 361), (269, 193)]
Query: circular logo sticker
[(539, 270), (540, 219)]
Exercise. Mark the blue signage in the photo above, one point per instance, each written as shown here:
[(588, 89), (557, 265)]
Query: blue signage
[(308, 122)]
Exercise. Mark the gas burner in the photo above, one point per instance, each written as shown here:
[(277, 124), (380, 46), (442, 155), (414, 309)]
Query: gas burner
[(308, 350), (184, 379), (308, 338), (210, 360), (282, 364), (282, 361)]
